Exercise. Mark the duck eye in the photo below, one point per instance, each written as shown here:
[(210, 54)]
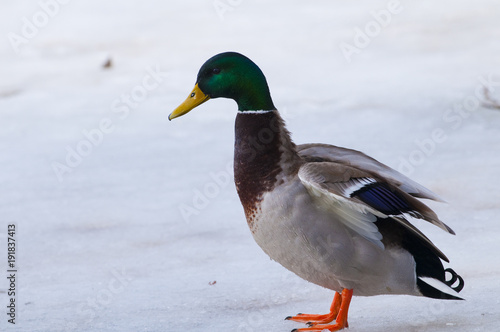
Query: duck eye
[(216, 70)]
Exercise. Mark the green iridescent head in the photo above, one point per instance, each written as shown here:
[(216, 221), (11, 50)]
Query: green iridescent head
[(229, 75)]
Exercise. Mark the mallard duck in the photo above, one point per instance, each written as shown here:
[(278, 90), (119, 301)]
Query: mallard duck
[(334, 216)]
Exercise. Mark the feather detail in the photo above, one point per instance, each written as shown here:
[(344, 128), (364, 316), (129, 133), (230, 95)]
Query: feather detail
[(395, 203), (359, 160), (443, 290), (359, 199)]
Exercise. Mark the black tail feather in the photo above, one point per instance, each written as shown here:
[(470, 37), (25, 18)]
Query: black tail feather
[(454, 278), (427, 262)]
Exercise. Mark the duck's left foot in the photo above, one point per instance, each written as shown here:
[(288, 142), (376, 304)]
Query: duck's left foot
[(338, 312), (320, 319)]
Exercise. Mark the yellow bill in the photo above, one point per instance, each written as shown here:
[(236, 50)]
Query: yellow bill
[(196, 98)]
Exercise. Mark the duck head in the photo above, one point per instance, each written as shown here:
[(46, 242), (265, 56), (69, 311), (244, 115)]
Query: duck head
[(229, 75)]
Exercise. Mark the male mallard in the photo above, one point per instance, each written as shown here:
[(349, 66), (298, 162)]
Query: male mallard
[(331, 215)]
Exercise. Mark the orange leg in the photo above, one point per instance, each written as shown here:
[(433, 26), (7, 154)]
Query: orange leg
[(338, 312)]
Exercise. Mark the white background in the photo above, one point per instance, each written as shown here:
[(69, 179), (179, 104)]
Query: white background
[(105, 247)]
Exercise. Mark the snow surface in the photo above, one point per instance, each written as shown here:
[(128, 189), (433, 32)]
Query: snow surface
[(106, 247)]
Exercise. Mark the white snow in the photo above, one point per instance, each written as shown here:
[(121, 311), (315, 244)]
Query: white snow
[(105, 246)]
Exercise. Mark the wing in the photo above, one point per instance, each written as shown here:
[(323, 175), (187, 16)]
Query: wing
[(356, 159), (358, 198)]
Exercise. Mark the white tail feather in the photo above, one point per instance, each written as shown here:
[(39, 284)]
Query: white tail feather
[(440, 286)]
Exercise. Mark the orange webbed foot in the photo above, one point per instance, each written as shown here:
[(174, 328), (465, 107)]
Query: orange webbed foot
[(320, 319), (338, 312)]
